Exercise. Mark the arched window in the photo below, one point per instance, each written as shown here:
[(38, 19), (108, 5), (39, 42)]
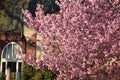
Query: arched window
[(9, 51), (11, 62)]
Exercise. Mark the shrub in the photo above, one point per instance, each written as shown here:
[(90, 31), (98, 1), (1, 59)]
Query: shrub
[(30, 73), (3, 77)]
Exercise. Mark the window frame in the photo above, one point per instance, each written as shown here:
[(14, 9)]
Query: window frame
[(13, 55)]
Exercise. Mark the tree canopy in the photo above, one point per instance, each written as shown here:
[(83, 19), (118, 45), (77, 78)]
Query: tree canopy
[(81, 42), (11, 16)]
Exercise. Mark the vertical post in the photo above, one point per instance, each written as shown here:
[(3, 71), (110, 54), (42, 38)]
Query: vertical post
[(7, 71), (17, 73), (1, 66)]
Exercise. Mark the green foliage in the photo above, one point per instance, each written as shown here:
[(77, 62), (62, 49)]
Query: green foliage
[(27, 72), (48, 75), (3, 77), (30, 73), (38, 76)]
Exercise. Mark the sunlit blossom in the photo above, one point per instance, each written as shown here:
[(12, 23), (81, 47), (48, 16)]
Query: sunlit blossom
[(80, 40)]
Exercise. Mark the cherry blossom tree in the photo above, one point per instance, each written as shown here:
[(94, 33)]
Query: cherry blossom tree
[(81, 41)]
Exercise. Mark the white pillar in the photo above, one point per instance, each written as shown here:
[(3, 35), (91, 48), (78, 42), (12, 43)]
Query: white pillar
[(1, 67), (17, 73), (7, 72)]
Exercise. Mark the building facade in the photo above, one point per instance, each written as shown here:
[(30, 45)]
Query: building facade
[(10, 62), (15, 36)]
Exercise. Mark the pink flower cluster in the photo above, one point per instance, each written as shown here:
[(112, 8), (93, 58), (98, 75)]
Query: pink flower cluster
[(82, 41)]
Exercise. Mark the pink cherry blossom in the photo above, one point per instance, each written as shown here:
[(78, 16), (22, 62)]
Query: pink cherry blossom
[(81, 41)]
